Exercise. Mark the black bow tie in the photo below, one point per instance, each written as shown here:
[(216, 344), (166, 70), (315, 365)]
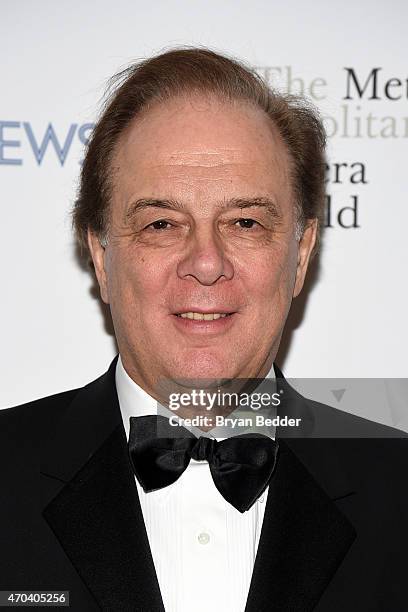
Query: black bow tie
[(241, 466)]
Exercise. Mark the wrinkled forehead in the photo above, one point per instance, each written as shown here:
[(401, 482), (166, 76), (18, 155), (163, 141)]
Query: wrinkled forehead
[(194, 142)]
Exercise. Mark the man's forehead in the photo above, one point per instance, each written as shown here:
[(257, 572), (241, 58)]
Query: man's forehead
[(178, 133), (217, 182), (202, 156), (221, 152)]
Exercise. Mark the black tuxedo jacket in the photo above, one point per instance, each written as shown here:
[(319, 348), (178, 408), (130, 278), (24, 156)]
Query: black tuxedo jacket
[(334, 536)]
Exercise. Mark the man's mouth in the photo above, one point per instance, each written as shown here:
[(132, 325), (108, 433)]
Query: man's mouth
[(195, 320), (203, 316)]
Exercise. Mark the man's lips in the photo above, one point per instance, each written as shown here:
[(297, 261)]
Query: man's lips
[(197, 314), (204, 321)]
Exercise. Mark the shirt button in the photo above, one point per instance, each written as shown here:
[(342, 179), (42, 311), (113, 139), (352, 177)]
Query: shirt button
[(203, 538), (261, 500)]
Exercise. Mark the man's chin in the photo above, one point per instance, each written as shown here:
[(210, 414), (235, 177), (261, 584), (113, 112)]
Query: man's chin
[(206, 372)]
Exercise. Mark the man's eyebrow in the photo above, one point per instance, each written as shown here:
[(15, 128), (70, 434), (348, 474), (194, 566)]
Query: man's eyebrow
[(242, 203), (144, 203), (261, 202)]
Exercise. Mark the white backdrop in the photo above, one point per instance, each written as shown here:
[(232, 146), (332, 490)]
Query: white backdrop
[(57, 57)]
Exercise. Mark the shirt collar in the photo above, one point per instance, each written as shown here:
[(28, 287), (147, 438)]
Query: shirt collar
[(134, 401)]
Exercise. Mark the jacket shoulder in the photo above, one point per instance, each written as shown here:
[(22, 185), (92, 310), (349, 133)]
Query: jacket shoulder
[(35, 418), (332, 422)]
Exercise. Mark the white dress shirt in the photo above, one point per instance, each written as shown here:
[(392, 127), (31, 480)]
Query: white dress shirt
[(203, 548)]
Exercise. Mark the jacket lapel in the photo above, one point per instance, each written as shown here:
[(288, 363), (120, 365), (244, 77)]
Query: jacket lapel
[(304, 535), (96, 514)]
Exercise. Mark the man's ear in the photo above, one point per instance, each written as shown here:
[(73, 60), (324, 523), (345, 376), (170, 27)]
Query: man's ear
[(306, 244), (98, 257)]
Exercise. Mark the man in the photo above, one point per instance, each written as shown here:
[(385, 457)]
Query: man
[(200, 200)]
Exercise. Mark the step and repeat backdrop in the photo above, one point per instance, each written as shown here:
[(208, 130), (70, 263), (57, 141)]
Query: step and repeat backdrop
[(349, 59)]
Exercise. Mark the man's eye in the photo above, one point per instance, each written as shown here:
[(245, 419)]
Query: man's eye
[(161, 224), (247, 223)]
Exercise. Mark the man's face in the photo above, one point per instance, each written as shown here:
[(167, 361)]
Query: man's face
[(202, 259)]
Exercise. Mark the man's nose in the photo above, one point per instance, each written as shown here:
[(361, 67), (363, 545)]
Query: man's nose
[(205, 258)]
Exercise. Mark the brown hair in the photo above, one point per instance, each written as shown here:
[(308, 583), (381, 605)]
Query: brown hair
[(189, 70)]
